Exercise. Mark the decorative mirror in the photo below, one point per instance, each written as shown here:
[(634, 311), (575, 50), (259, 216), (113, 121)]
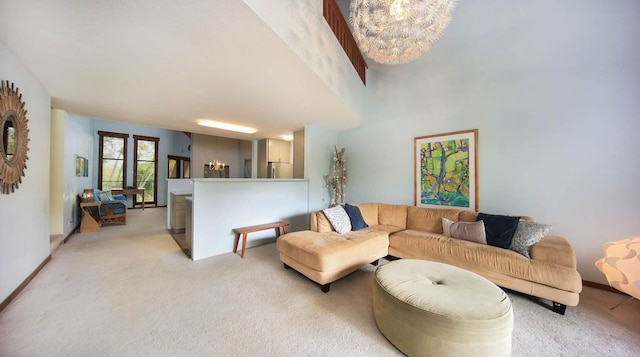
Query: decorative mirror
[(14, 139)]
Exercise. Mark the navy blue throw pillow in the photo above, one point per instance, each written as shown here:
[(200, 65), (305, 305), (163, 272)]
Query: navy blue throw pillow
[(499, 229), (357, 222)]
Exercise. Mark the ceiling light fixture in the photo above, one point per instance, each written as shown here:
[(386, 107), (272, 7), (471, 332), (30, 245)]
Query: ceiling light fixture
[(398, 31), (287, 137), (226, 126)]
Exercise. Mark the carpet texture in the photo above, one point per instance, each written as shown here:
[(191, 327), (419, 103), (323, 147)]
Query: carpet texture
[(130, 291)]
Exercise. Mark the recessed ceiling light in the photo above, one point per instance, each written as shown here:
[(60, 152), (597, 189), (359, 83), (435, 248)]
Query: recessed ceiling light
[(226, 126), (287, 137)]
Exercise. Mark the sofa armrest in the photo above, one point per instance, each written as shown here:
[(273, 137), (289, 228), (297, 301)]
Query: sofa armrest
[(554, 250), (319, 222)]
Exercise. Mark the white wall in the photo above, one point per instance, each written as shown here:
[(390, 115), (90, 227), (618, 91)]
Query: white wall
[(78, 141), (219, 205), (318, 162), (553, 88), (56, 175), (24, 214)]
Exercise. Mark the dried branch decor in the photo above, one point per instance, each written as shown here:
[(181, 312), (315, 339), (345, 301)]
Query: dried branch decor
[(338, 181)]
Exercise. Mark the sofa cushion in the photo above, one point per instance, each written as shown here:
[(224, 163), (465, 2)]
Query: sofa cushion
[(483, 259), (471, 231), (429, 219), (339, 219), (369, 212), (528, 234), (393, 215), (499, 229), (468, 216), (357, 221)]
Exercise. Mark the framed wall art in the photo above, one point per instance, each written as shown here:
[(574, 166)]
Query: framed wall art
[(82, 166), (446, 170)]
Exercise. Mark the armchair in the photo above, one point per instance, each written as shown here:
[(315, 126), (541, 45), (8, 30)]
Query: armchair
[(113, 208)]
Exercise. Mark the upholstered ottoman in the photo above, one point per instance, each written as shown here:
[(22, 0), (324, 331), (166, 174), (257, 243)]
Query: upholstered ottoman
[(432, 309), (325, 257)]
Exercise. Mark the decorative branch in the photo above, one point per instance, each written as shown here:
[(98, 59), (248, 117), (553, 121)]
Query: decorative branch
[(337, 183)]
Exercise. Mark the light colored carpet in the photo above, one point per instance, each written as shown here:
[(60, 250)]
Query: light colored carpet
[(130, 291)]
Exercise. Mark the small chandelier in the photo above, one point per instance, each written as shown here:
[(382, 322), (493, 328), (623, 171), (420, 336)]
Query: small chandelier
[(216, 165), (398, 31)]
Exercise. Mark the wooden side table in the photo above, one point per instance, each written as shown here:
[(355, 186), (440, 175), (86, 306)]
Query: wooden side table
[(90, 221), (261, 227)]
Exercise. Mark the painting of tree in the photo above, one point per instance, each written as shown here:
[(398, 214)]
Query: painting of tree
[(446, 173)]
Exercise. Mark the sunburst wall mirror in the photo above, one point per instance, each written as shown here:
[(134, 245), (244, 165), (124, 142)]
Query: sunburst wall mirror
[(14, 141)]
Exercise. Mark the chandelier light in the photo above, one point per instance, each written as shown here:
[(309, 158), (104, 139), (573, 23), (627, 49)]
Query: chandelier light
[(216, 165), (398, 31)]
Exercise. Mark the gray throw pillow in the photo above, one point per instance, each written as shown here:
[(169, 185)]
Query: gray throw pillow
[(339, 219), (527, 234), (470, 231)]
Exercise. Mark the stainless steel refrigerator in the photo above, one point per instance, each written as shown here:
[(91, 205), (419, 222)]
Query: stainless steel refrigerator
[(280, 170)]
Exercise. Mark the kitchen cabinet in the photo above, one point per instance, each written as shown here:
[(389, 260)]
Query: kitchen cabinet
[(272, 150), (278, 151), (188, 229), (178, 212)]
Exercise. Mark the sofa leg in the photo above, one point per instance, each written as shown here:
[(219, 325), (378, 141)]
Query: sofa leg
[(559, 308), (375, 262), (325, 287), (391, 258), (286, 266)]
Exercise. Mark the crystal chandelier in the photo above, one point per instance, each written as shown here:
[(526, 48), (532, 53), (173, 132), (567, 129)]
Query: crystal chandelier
[(398, 31), (216, 165)]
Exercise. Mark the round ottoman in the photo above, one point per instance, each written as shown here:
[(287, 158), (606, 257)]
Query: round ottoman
[(432, 309)]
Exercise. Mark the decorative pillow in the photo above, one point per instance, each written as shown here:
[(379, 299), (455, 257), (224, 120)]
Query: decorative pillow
[(527, 234), (446, 226), (471, 231), (96, 192), (355, 216), (338, 218), (499, 229), (105, 196)]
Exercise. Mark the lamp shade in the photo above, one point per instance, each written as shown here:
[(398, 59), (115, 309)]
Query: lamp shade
[(398, 31), (621, 265), (88, 195)]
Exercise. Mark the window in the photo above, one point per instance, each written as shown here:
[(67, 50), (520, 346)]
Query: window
[(112, 163), (145, 166), (178, 167)]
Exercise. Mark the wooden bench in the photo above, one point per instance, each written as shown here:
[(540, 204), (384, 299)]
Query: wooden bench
[(260, 227)]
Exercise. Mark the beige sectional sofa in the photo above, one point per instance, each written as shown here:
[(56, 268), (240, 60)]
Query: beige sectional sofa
[(400, 231)]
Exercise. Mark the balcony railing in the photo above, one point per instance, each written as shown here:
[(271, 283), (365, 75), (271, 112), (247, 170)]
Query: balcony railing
[(340, 28)]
